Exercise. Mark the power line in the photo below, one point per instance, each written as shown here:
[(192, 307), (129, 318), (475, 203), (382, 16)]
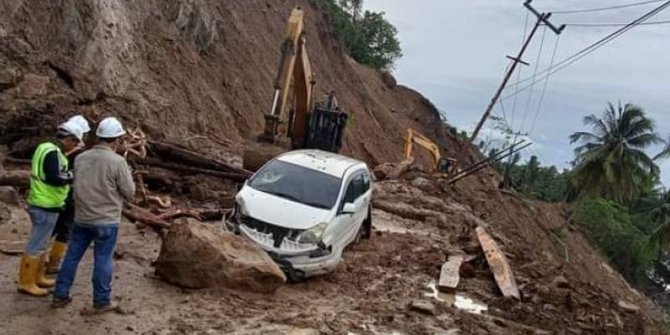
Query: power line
[(589, 49), (589, 10), (518, 78), (537, 66), (613, 24), (544, 88)]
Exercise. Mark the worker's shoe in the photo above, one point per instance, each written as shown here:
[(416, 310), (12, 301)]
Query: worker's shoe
[(28, 273), (42, 280), (60, 303), (55, 257)]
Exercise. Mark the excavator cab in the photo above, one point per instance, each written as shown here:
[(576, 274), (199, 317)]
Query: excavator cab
[(444, 165), (326, 124)]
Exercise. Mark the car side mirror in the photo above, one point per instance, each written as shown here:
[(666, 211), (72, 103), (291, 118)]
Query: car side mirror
[(348, 208)]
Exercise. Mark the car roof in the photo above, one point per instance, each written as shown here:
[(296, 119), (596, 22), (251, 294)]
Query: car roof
[(328, 162)]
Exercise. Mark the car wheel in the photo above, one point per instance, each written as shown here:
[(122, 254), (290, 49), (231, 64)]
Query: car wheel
[(365, 230)]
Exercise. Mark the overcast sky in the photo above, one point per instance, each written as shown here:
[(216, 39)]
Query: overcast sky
[(454, 53)]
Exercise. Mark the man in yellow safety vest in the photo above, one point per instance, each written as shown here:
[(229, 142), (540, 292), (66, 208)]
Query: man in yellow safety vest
[(50, 178)]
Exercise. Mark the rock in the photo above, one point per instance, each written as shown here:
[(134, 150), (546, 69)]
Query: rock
[(198, 255), (628, 307), (401, 168), (424, 184), (422, 306), (560, 282), (382, 171), (388, 79), (9, 78), (9, 195)]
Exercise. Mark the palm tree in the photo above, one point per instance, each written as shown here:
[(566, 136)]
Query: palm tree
[(611, 161)]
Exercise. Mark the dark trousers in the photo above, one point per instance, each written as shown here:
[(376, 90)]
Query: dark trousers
[(64, 224)]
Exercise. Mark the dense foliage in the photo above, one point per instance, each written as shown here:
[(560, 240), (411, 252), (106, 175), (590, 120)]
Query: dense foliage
[(369, 38)]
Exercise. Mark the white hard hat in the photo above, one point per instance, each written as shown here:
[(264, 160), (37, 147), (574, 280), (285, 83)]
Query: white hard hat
[(72, 128), (110, 127), (81, 122)]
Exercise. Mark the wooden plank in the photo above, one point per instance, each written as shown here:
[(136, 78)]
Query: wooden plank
[(450, 273), (12, 248), (498, 264)]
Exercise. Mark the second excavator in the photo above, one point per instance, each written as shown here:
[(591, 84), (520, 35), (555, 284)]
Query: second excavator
[(294, 120), (440, 164)]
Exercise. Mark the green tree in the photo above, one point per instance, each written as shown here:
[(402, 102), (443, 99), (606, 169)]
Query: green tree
[(611, 161), (376, 43), (368, 38)]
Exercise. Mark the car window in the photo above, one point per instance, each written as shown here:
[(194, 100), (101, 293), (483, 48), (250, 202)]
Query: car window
[(366, 181), (297, 183), (356, 188)]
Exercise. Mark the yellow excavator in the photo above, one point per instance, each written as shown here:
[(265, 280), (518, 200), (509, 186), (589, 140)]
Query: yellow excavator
[(294, 121), (440, 164)]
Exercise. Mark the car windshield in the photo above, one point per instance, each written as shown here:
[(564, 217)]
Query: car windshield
[(297, 183)]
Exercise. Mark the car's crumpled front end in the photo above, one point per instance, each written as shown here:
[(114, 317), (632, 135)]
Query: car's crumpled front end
[(300, 253)]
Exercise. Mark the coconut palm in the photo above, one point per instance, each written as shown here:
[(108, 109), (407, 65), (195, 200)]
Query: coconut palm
[(611, 161)]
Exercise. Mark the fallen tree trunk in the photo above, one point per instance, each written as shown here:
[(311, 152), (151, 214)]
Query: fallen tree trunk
[(184, 168), (144, 216), (193, 158), (16, 178)]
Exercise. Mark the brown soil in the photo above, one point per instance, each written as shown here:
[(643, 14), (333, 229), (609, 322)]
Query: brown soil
[(199, 72)]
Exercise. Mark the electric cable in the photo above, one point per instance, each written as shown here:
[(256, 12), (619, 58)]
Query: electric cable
[(599, 9)]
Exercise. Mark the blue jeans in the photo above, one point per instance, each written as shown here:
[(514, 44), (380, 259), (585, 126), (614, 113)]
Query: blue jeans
[(43, 223), (104, 238)]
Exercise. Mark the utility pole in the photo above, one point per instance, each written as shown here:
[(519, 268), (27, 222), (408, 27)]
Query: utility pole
[(542, 18)]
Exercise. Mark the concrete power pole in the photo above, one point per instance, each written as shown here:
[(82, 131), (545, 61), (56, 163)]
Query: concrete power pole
[(542, 18)]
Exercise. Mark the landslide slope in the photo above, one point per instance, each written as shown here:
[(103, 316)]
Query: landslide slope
[(184, 68)]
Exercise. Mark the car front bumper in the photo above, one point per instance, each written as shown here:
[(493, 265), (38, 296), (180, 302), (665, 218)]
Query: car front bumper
[(294, 261)]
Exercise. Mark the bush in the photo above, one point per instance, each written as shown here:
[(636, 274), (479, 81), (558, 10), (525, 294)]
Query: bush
[(610, 227)]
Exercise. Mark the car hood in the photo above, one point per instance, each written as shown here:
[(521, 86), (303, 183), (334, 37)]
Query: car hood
[(279, 211)]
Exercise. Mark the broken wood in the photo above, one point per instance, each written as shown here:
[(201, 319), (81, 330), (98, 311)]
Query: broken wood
[(16, 178), (184, 168), (191, 158), (498, 264), (450, 273), (144, 216)]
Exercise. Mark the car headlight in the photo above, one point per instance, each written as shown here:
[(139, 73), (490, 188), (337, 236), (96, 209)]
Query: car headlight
[(312, 235)]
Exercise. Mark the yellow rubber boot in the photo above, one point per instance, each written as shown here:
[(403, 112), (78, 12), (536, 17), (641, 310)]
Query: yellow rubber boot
[(28, 277), (42, 279), (56, 256)]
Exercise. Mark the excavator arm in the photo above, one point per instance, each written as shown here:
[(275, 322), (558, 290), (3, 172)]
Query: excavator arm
[(294, 70), (439, 164)]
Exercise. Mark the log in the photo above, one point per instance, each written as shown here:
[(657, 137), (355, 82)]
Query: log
[(502, 272), (450, 273), (184, 168), (143, 215), (188, 157), (16, 178)]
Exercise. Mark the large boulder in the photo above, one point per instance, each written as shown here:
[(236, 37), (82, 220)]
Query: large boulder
[(199, 255)]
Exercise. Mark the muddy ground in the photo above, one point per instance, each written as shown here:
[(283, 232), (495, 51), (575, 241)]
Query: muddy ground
[(373, 291)]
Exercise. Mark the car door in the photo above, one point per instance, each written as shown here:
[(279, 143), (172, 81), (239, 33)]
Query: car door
[(342, 223), (359, 198)]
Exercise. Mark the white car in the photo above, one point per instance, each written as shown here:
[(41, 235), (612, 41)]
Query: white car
[(304, 207)]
